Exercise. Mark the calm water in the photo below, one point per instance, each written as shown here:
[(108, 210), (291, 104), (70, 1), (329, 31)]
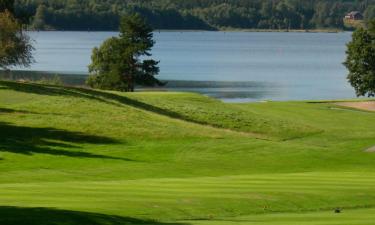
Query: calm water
[(274, 66)]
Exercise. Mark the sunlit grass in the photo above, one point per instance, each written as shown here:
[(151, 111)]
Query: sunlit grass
[(180, 158)]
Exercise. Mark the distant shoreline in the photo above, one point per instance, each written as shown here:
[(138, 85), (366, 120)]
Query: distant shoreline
[(219, 30), (285, 30)]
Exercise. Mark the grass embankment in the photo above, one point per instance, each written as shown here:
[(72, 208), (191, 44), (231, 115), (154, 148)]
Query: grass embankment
[(84, 157)]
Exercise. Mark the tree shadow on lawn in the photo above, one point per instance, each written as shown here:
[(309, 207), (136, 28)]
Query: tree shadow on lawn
[(49, 216), (91, 94), (40, 89), (15, 111), (30, 140), (5, 110)]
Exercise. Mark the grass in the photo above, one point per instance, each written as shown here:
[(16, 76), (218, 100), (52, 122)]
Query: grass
[(86, 157), (348, 217)]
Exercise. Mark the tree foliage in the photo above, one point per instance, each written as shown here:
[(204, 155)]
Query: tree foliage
[(7, 5), (361, 61), (40, 18), (117, 63), (15, 45), (196, 14), (370, 12)]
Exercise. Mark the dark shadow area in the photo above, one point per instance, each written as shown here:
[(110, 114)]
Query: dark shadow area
[(5, 110), (101, 96), (50, 216), (29, 140), (40, 89), (131, 102)]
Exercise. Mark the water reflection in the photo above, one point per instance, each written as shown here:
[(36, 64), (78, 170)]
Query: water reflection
[(224, 90)]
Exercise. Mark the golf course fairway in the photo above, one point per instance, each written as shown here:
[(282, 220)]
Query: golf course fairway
[(75, 156)]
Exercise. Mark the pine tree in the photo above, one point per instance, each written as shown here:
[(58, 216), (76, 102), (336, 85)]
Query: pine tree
[(117, 64)]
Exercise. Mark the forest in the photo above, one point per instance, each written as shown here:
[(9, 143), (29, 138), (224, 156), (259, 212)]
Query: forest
[(192, 14)]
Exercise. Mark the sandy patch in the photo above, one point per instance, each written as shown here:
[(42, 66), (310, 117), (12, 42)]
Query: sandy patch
[(372, 149), (369, 106)]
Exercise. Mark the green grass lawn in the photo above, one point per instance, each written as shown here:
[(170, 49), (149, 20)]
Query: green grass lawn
[(71, 156)]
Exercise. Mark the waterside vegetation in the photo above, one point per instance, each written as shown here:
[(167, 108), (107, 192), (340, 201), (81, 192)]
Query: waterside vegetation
[(193, 14)]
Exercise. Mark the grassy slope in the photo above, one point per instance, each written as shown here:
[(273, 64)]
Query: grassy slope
[(83, 155)]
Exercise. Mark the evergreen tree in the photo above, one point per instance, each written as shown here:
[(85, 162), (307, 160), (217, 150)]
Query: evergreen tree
[(117, 64)]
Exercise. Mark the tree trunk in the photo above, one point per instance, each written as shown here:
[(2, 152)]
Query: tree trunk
[(131, 86), (130, 83), (131, 80)]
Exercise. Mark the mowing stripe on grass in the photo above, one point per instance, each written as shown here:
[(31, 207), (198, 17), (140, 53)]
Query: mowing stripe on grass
[(255, 193)]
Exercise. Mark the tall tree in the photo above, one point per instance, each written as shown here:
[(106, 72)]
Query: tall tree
[(117, 64), (15, 45), (360, 61)]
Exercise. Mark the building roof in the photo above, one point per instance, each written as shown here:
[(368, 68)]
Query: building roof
[(354, 13)]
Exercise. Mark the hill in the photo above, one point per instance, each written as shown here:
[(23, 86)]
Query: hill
[(85, 157)]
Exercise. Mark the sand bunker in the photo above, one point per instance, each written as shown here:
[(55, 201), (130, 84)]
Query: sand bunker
[(369, 106)]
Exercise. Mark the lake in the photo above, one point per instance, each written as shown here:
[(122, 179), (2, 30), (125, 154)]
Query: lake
[(233, 66)]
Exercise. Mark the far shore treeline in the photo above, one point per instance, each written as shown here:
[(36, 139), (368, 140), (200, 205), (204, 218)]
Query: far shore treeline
[(192, 14)]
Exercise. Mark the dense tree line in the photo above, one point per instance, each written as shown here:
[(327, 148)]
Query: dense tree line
[(192, 14)]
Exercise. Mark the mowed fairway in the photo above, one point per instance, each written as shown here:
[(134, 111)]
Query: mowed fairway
[(84, 157)]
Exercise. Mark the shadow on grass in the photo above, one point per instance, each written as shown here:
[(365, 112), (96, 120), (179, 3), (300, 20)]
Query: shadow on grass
[(101, 96), (36, 88), (30, 140), (5, 110), (131, 102), (49, 216), (50, 90)]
